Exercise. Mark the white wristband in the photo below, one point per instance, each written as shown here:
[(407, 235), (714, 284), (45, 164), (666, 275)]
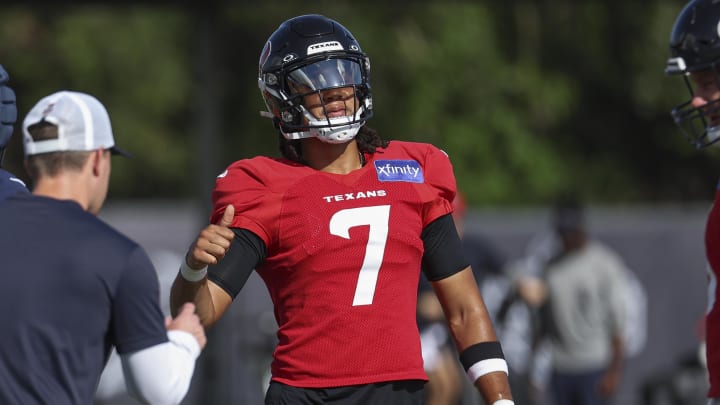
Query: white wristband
[(192, 275), (503, 402), (487, 366)]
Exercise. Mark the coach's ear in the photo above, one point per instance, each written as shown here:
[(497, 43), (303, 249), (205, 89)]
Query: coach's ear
[(95, 160)]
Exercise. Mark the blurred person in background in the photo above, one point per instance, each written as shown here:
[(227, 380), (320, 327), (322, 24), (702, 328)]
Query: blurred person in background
[(339, 229), (517, 321), (445, 383), (584, 312), (9, 184), (519, 316), (683, 384), (530, 293), (695, 56), (74, 287)]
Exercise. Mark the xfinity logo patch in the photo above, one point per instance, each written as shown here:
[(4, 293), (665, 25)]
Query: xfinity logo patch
[(324, 47), (399, 170)]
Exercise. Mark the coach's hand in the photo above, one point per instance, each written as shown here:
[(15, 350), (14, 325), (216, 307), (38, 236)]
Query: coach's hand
[(188, 321), (212, 243)]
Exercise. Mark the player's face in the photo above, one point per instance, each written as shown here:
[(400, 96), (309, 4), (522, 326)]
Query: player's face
[(705, 90), (332, 103), (327, 87)]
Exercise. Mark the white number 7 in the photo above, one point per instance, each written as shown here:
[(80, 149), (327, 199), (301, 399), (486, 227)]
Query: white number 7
[(378, 218)]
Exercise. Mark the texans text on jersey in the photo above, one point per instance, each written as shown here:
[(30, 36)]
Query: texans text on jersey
[(355, 196)]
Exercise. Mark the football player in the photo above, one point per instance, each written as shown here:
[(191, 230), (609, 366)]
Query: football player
[(339, 229), (695, 56)]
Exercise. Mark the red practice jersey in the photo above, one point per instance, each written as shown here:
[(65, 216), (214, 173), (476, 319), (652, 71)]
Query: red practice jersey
[(343, 258), (712, 320)]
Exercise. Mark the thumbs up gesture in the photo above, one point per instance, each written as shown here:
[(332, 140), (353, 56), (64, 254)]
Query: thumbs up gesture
[(212, 243)]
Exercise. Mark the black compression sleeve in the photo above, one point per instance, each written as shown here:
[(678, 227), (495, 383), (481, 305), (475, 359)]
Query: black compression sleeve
[(246, 252), (443, 249)]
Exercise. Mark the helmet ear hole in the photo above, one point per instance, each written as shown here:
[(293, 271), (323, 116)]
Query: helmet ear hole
[(291, 116)]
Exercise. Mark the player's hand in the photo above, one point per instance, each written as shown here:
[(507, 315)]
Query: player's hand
[(212, 243), (188, 321)]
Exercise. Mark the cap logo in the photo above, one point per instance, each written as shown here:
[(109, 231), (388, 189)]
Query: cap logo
[(324, 47), (48, 109)]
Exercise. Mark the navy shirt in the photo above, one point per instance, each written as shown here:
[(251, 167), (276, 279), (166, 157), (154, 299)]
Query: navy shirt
[(71, 287), (10, 185)]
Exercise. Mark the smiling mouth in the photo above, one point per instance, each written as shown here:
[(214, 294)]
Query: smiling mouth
[(335, 111)]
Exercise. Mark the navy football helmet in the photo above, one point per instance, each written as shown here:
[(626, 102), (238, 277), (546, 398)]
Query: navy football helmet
[(8, 111), (311, 54), (695, 47)]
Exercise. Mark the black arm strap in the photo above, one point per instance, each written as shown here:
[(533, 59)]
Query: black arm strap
[(479, 352), (246, 252), (444, 254)]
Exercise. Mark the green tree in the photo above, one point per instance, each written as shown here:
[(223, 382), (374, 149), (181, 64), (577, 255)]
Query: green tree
[(528, 98)]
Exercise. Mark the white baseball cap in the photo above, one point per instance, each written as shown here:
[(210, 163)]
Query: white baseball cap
[(83, 124)]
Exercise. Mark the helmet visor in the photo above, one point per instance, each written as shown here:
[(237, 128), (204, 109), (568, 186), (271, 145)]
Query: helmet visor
[(324, 74)]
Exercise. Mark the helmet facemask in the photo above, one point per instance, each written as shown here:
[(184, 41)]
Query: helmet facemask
[(700, 125), (322, 85)]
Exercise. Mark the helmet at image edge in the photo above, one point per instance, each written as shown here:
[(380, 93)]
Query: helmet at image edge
[(316, 53), (8, 110), (695, 47)]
